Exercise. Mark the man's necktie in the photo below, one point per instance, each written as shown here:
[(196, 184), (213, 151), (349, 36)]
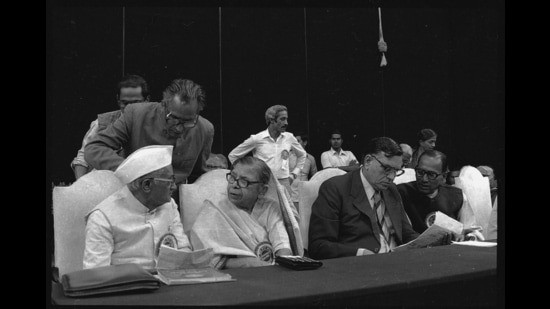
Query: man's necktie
[(380, 210)]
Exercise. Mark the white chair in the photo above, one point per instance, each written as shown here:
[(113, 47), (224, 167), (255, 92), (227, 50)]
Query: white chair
[(70, 205), (477, 191), (408, 176), (308, 193), (211, 185)]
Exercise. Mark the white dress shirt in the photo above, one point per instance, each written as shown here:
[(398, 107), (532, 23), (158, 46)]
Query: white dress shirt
[(275, 153), (384, 246), (332, 158)]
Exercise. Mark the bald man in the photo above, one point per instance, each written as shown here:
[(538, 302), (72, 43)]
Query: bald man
[(407, 153)]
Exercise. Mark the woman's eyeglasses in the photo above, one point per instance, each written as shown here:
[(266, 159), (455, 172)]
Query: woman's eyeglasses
[(243, 183)]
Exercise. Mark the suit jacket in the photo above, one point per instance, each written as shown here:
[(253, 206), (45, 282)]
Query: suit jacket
[(144, 124), (342, 219)]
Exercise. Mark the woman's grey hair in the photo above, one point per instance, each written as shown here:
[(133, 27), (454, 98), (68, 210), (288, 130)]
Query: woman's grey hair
[(258, 166)]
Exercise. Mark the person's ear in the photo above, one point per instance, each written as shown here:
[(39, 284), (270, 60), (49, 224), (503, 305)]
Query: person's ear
[(146, 184), (263, 190), (367, 160)]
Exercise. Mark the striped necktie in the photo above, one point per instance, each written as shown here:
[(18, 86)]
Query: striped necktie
[(380, 210)]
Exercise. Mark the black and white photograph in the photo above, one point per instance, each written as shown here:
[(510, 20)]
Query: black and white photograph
[(330, 153)]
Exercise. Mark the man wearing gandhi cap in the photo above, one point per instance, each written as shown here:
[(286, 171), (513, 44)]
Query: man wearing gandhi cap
[(129, 225)]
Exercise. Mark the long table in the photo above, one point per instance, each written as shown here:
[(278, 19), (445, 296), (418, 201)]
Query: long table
[(446, 275)]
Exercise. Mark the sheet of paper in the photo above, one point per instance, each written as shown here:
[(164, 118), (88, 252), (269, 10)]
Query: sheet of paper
[(433, 235), (449, 223), (475, 243), (170, 258)]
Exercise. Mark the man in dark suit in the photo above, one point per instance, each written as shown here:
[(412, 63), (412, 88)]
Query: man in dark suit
[(430, 193), (361, 212)]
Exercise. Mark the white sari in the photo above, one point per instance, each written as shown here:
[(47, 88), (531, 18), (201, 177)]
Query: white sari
[(231, 231)]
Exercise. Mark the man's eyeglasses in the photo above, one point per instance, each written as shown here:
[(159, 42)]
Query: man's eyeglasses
[(243, 183), (171, 180), (388, 169), (173, 120), (431, 175)]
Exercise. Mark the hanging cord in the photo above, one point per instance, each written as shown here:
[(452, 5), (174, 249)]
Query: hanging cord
[(221, 105), (382, 46), (123, 37)]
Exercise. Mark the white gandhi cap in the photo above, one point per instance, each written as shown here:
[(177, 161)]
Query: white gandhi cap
[(144, 161)]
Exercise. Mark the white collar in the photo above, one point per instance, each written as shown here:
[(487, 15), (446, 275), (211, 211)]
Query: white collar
[(369, 190)]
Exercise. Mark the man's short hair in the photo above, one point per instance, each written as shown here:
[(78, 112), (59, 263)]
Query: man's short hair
[(187, 90), (383, 144), (133, 81), (303, 136), (273, 112), (335, 131)]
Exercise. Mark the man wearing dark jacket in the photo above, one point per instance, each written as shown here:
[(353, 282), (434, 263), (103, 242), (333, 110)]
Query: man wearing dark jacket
[(361, 212)]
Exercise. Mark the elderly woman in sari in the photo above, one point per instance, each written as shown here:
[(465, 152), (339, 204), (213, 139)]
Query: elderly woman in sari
[(246, 227)]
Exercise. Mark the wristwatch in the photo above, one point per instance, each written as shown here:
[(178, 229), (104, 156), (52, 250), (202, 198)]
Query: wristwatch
[(294, 176)]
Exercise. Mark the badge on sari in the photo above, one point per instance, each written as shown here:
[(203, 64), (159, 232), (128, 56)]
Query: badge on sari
[(169, 240), (264, 251)]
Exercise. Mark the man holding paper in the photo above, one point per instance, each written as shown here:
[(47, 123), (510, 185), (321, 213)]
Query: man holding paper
[(130, 225), (429, 193), (361, 212)]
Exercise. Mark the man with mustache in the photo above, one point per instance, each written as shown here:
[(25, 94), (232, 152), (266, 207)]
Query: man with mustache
[(430, 193), (175, 121), (273, 146)]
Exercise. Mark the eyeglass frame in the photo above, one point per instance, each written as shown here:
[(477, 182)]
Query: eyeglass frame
[(172, 179), (237, 180), (428, 173), (398, 172), (184, 123)]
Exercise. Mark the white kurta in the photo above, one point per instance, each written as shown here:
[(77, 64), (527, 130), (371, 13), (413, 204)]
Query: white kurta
[(122, 230)]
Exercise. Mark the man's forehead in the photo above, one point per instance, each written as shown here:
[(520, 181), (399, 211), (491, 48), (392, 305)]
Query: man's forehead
[(430, 163), (130, 91)]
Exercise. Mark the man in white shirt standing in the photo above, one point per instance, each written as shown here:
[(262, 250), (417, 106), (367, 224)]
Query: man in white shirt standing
[(273, 146), (338, 157)]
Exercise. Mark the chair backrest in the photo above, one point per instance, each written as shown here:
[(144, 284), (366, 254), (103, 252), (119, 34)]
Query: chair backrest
[(211, 185), (477, 191), (408, 176), (308, 193), (70, 205)]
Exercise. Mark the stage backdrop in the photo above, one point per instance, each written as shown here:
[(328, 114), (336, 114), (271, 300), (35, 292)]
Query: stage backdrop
[(445, 68)]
